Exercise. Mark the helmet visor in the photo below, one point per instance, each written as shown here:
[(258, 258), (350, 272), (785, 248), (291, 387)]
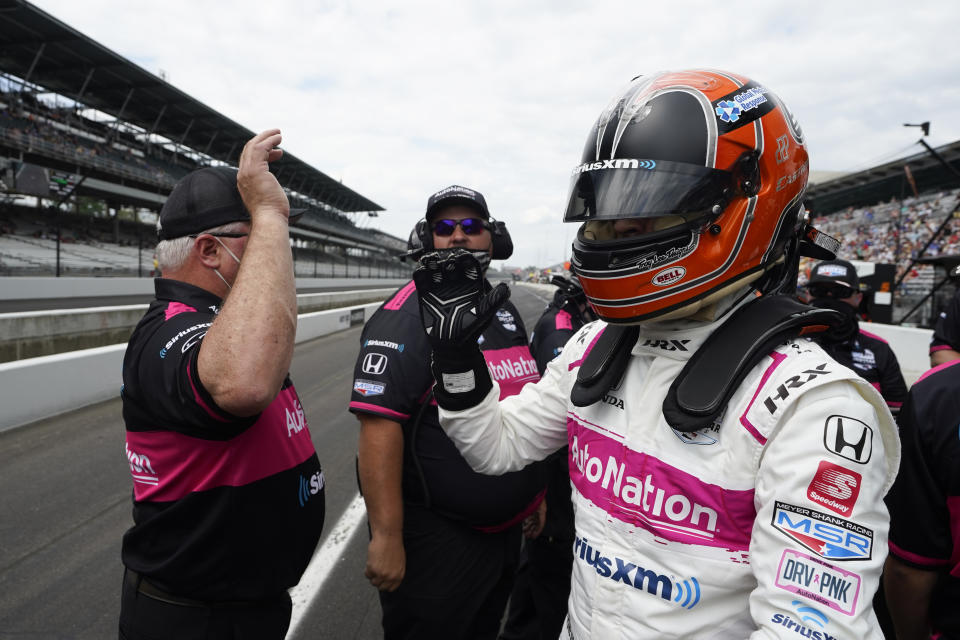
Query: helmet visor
[(626, 188)]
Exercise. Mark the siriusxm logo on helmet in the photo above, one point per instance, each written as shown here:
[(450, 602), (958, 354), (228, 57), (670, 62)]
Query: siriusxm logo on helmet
[(684, 593), (615, 163)]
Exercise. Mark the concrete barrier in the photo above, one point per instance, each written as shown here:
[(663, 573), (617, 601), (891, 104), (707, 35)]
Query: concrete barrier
[(910, 345), (42, 387), (31, 334), (39, 288)]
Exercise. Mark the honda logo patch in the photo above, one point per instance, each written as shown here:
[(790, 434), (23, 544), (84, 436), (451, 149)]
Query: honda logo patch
[(848, 438), (374, 364)]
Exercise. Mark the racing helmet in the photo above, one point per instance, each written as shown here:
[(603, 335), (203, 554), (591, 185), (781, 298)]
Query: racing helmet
[(714, 167)]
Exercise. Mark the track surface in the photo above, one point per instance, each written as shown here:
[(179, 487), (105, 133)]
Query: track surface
[(66, 500)]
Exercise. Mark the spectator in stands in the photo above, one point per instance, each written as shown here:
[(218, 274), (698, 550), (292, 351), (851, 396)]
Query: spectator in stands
[(445, 540), (538, 603), (227, 488), (945, 343), (834, 284), (922, 572)]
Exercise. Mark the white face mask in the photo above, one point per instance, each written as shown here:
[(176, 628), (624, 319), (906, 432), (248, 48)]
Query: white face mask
[(232, 255)]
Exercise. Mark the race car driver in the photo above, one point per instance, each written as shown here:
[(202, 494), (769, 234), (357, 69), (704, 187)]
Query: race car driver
[(741, 495)]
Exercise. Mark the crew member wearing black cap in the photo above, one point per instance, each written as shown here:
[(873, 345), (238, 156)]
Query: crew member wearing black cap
[(444, 540), (834, 284), (228, 498)]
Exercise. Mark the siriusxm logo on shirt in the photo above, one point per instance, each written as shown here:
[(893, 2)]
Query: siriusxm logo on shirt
[(804, 631), (310, 487), (684, 593), (182, 333), (384, 343)]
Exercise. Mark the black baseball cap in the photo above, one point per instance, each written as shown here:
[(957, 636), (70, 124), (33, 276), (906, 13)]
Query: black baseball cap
[(838, 272), (204, 199), (455, 194)]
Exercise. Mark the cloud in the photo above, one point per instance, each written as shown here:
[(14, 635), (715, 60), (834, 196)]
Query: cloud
[(399, 100)]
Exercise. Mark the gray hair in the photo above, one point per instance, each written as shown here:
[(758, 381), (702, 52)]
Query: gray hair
[(172, 254)]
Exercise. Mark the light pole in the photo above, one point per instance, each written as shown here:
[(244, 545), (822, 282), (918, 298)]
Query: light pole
[(925, 126)]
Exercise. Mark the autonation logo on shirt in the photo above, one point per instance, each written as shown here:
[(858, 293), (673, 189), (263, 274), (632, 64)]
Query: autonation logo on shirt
[(649, 493)]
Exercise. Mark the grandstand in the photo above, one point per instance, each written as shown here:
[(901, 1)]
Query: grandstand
[(91, 144), (906, 213)]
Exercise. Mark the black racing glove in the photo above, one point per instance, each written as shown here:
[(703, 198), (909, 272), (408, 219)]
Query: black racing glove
[(455, 308)]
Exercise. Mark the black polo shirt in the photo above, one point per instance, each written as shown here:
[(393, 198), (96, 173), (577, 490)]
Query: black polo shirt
[(225, 508), (924, 502), (871, 357), (392, 379), (560, 320)]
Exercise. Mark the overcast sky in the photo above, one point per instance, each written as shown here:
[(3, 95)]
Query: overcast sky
[(400, 99)]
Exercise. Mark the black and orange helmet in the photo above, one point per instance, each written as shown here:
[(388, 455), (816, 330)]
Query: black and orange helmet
[(717, 164)]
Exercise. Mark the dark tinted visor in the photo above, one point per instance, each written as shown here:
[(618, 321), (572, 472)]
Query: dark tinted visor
[(625, 188)]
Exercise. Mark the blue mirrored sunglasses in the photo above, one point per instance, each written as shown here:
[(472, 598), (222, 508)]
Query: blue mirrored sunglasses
[(470, 226)]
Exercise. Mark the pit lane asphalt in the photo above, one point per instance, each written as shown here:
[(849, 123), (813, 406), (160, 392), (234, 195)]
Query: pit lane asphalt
[(65, 501)]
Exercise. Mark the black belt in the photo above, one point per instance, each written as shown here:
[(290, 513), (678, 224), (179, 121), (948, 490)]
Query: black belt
[(141, 585)]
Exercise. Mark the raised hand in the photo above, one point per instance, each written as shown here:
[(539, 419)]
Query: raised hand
[(261, 192)]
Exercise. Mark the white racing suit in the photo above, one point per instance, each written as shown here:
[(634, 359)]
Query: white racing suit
[(770, 524)]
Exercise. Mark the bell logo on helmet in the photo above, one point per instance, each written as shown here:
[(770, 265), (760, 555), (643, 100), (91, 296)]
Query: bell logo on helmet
[(669, 276)]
